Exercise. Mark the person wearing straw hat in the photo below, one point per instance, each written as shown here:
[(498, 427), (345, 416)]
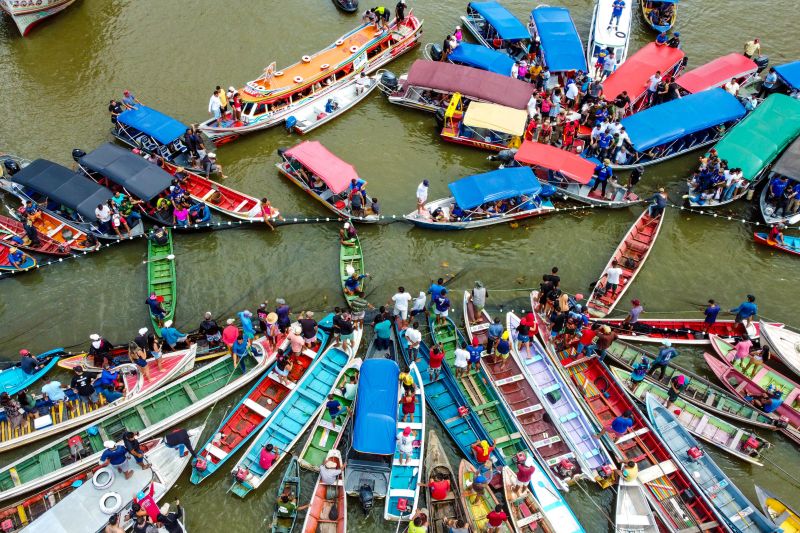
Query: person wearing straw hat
[(116, 456), (272, 331)]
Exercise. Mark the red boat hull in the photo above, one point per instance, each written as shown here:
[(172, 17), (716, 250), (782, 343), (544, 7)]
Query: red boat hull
[(48, 246), (679, 331)]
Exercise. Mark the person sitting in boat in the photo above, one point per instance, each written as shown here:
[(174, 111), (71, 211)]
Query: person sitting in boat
[(28, 363), (15, 257), (768, 402), (352, 284), (665, 14), (675, 40), (199, 213), (776, 234), (330, 471), (331, 106), (347, 235), (440, 214), (619, 426), (659, 202), (640, 370), (439, 487), (211, 166), (172, 336), (180, 214)]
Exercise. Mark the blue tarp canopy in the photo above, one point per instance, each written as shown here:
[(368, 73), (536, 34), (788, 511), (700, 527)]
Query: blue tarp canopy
[(507, 26), (677, 118), (472, 191), (790, 74), (561, 44), (477, 56), (375, 426), (154, 123)]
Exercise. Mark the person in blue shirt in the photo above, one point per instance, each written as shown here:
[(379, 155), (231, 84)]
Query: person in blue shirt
[(239, 351), (352, 285), (116, 456), (620, 425), (662, 39), (493, 333), (603, 147), (711, 311), (768, 403), (768, 85), (640, 370), (334, 408), (616, 13), (172, 336), (157, 310), (602, 173), (383, 334), (15, 258), (435, 290), (746, 311), (246, 319), (658, 202), (442, 307), (665, 355), (777, 186)]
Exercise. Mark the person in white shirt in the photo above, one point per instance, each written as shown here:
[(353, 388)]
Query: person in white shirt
[(362, 83), (215, 106), (732, 87), (532, 106), (401, 300), (103, 214), (422, 196), (572, 94), (652, 86), (515, 70), (462, 358), (612, 277), (413, 337)]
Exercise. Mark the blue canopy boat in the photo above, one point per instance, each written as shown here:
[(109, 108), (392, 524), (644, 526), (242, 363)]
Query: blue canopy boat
[(730, 505), (14, 379), (680, 126), (495, 27), (474, 196), (789, 75), (371, 435), (153, 132), (561, 49), (446, 401), (480, 57)]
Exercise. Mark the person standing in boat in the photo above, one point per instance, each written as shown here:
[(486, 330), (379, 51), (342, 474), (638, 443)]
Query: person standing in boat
[(602, 173), (215, 107), (711, 311), (422, 196), (752, 48), (384, 14), (117, 456), (129, 100), (400, 10), (666, 354), (658, 202), (746, 311)]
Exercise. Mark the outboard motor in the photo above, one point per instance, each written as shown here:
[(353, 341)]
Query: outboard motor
[(389, 81), (77, 153), (281, 151), (11, 166), (762, 62), (366, 497), (436, 52), (439, 116)]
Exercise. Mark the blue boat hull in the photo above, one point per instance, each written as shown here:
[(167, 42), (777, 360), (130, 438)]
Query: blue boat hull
[(13, 380)]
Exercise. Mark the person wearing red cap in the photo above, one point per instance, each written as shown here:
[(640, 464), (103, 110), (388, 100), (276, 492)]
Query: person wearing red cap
[(405, 444), (475, 351), (633, 314), (129, 100), (676, 386), (28, 363)]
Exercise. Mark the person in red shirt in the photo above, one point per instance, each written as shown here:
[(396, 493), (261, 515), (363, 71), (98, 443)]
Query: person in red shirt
[(440, 487), (525, 470), (496, 519), (587, 338), (482, 450), (435, 362)]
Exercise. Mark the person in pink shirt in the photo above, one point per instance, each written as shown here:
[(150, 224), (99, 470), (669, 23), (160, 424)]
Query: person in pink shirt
[(296, 341), (743, 348), (230, 333), (525, 470)]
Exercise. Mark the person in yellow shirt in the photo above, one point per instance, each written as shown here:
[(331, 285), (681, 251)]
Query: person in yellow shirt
[(630, 471), (223, 101), (407, 381), (752, 48)]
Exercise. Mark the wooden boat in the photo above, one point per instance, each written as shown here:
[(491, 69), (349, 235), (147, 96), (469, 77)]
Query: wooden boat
[(26, 15), (64, 233), (550, 445), (745, 388), (13, 379), (448, 403), (496, 27), (276, 94), (161, 278), (403, 497), (149, 415), (110, 492), (347, 96), (785, 343), (561, 406), (699, 391), (731, 505), (437, 464), (691, 331), (763, 374), (497, 421), (391, 353), (324, 499), (256, 408), (525, 512), (571, 175), (351, 261), (790, 244), (323, 176), (12, 232), (290, 485), (28, 262), (630, 255), (778, 512), (660, 475), (429, 85), (348, 6), (741, 443), (517, 187), (482, 125), (290, 419), (57, 418), (602, 37), (477, 506), (326, 433), (652, 11), (632, 514)]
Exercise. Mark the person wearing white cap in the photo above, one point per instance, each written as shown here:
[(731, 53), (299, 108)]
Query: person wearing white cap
[(117, 456), (330, 471), (210, 166), (100, 349), (230, 333), (665, 355), (210, 329), (172, 336)]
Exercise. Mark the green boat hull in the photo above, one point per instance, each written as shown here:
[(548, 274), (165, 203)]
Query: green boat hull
[(351, 256), (161, 277)]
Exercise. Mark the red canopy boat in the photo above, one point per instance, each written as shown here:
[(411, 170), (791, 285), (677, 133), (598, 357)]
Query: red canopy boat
[(678, 330), (717, 73), (10, 228), (630, 255)]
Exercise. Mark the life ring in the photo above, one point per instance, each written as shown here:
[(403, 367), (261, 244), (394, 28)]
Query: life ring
[(353, 49), (298, 79), (306, 59), (621, 34), (277, 73), (340, 42), (110, 503), (324, 66), (103, 478)]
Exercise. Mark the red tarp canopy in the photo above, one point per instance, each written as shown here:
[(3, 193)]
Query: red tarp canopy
[(470, 82), (569, 164), (717, 72), (336, 173), (633, 74)]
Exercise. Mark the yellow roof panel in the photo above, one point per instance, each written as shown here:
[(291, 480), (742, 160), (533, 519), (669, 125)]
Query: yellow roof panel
[(495, 117)]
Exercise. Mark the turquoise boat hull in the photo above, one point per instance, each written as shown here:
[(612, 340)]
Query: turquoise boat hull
[(13, 380)]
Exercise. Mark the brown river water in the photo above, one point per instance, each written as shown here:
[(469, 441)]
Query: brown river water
[(55, 88)]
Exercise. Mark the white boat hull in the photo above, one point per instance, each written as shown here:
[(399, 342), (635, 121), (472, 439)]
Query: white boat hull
[(27, 13)]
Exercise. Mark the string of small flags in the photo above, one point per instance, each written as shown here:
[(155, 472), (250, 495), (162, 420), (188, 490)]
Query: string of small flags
[(727, 217)]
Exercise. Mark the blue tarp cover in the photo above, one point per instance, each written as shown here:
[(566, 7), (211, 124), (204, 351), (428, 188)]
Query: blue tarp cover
[(502, 184), (563, 50), (507, 26), (790, 73), (677, 118), (154, 123), (475, 55), (375, 426)]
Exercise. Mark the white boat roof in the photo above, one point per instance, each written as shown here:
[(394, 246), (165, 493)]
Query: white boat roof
[(613, 38)]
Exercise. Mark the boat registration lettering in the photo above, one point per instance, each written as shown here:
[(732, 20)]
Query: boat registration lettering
[(26, 3), (716, 487)]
